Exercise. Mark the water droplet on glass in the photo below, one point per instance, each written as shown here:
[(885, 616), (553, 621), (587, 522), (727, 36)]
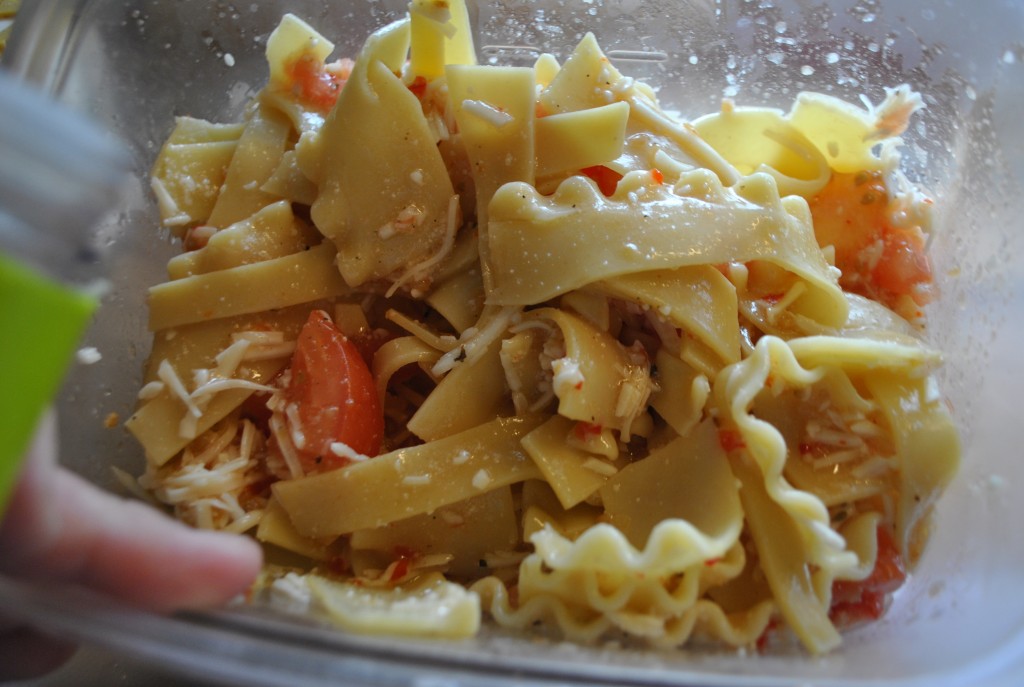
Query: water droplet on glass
[(832, 58), (807, 70), (780, 27)]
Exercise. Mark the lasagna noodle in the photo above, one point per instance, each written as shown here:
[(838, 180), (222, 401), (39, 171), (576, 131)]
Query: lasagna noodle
[(494, 109), (440, 35), (589, 80), (426, 607), (187, 178), (604, 580), (755, 139), (262, 286), (927, 448), (272, 232), (564, 466), (467, 530), (542, 247), (260, 147), (191, 347), (376, 492), (396, 354), (595, 374), (682, 392), (449, 409), (460, 299), (571, 141), (384, 188), (290, 183), (697, 299)]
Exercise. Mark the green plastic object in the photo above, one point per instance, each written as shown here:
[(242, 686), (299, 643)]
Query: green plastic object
[(41, 323), (59, 174)]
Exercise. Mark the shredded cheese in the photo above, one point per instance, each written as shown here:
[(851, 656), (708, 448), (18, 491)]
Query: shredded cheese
[(489, 113), (600, 467), (481, 480), (422, 269), (343, 450), (151, 390), (167, 374), (567, 376), (284, 442)]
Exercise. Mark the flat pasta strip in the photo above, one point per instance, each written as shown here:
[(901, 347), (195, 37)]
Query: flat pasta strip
[(273, 232), (571, 141), (542, 247), (376, 492), (564, 466), (493, 107), (259, 148), (467, 530), (449, 409), (278, 283), (696, 299), (927, 450), (759, 139), (687, 479), (598, 380), (682, 392), (187, 178), (384, 219), (155, 424)]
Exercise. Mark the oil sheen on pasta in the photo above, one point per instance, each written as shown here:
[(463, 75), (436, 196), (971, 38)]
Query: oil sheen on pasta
[(460, 341)]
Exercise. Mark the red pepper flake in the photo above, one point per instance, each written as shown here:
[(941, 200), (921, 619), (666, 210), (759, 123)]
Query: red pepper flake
[(713, 561), (586, 430), (539, 111), (418, 86), (607, 179), (773, 298), (658, 177), (405, 556), (762, 641), (730, 440)]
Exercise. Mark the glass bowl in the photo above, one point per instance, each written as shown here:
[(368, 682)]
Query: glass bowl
[(134, 66)]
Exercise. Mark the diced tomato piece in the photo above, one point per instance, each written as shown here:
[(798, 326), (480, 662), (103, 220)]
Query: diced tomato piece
[(856, 602), (903, 265), (607, 179), (313, 84), (877, 260), (335, 393), (730, 440)]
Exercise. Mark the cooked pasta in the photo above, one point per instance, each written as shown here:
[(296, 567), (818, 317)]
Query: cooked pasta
[(461, 341)]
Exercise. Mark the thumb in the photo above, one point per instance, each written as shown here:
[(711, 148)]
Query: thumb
[(61, 528)]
